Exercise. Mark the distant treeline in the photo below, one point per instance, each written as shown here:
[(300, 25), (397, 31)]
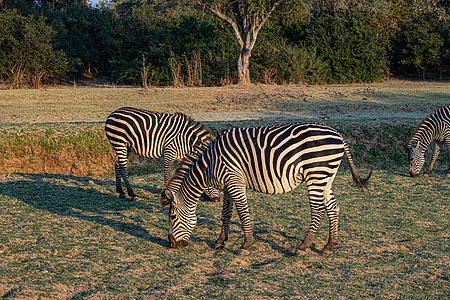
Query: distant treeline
[(173, 42)]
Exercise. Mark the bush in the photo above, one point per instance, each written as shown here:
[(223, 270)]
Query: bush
[(353, 43), (419, 46), (26, 52), (84, 33)]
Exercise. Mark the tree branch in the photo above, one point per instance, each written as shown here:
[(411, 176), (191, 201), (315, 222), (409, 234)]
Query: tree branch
[(258, 27), (226, 18)]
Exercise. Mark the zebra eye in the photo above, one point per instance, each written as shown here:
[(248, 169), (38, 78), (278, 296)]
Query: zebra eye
[(172, 214)]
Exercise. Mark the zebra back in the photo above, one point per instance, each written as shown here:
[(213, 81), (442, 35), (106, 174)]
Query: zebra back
[(226, 145), (148, 132), (431, 128)]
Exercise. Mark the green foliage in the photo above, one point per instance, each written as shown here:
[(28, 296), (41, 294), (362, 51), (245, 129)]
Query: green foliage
[(421, 45), (84, 33), (352, 43), (282, 62), (143, 30), (26, 52), (314, 42)]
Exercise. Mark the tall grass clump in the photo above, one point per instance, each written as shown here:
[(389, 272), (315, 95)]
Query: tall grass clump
[(74, 152)]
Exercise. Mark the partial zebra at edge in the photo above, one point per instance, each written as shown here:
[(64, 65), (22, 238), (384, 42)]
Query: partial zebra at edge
[(434, 128)]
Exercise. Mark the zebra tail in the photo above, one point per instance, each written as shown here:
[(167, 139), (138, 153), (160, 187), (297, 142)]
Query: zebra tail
[(360, 182)]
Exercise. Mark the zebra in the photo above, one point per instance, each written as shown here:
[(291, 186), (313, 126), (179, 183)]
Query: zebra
[(154, 135), (435, 127), (272, 160)]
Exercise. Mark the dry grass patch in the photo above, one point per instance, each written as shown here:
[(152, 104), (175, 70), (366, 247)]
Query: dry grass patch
[(320, 102)]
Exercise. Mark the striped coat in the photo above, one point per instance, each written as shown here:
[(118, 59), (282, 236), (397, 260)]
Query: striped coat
[(272, 160), (153, 135), (434, 128)]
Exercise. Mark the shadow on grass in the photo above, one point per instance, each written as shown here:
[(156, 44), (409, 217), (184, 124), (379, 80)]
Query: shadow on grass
[(67, 195)]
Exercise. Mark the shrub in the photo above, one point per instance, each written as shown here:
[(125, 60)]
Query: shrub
[(26, 51), (352, 43)]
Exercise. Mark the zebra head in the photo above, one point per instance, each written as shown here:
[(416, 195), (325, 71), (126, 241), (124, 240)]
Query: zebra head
[(180, 229), (416, 157)]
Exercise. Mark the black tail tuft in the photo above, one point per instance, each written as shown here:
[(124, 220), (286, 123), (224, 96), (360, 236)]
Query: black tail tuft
[(360, 182)]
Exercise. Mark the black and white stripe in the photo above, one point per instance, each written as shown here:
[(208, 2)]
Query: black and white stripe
[(272, 160), (435, 127), (154, 135)]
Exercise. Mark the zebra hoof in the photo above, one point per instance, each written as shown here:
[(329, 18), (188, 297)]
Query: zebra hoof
[(220, 243), (122, 196), (299, 252), (328, 249), (243, 252), (219, 246)]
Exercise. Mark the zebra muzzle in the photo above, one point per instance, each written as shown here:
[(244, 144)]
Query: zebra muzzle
[(177, 244), (412, 174)]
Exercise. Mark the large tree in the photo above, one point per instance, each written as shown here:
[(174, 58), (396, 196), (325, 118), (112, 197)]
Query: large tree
[(246, 17)]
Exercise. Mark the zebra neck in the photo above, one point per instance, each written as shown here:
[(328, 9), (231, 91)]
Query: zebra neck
[(425, 133), (195, 182)]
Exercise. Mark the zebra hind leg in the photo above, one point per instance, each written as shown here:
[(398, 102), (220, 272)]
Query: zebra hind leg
[(119, 188), (124, 174), (227, 211), (332, 209), (316, 216)]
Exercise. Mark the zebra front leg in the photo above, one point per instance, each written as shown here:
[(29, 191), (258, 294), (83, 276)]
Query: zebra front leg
[(227, 211), (437, 149), (168, 160), (240, 200), (119, 188)]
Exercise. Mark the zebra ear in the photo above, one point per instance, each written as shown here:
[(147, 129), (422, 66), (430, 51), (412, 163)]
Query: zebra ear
[(165, 198), (411, 147)]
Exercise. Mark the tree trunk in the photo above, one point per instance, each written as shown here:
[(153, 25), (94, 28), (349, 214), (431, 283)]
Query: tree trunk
[(243, 67), (246, 27)]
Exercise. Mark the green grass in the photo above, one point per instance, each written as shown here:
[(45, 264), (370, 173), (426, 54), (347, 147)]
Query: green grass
[(71, 237)]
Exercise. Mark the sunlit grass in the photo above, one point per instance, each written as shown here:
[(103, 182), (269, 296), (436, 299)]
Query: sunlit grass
[(67, 236), (71, 237)]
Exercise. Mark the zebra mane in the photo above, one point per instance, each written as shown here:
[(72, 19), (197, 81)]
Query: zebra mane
[(423, 126), (197, 127), (186, 163), (205, 138)]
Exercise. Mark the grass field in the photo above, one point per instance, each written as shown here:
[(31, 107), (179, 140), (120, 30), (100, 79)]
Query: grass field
[(68, 236)]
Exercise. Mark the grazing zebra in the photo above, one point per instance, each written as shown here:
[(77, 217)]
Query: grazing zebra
[(153, 135), (435, 127), (271, 160)]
